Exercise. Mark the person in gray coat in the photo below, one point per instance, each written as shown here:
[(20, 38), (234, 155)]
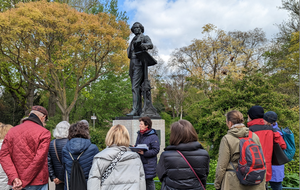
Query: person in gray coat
[(117, 167)]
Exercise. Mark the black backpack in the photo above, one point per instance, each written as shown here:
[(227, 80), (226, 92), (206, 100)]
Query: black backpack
[(77, 179)]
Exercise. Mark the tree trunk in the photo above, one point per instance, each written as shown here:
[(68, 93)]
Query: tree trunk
[(30, 99), (52, 105), (173, 112), (65, 116), (62, 104), (180, 112)]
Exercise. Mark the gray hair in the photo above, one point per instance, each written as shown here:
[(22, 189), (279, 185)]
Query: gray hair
[(61, 130), (85, 122)]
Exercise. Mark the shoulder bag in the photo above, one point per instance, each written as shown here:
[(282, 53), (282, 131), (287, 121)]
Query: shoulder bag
[(54, 144), (111, 166), (191, 168)]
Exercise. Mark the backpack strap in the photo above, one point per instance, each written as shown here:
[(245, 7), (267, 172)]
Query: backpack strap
[(111, 166), (231, 170), (67, 180), (54, 144), (191, 168), (250, 134), (77, 157)]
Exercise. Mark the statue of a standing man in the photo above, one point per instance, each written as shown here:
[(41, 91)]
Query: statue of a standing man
[(139, 45)]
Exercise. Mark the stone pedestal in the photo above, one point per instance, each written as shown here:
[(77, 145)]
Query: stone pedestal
[(132, 126)]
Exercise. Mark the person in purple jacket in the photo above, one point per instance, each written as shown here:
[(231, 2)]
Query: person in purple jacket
[(270, 118), (148, 136)]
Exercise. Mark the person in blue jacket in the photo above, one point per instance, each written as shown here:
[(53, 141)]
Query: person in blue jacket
[(270, 118), (79, 141), (148, 136), (55, 166)]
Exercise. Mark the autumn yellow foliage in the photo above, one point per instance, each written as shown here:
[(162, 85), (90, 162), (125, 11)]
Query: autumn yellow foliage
[(62, 48), (218, 54)]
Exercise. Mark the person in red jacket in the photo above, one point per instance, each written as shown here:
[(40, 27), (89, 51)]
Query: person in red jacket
[(267, 136), (24, 151)]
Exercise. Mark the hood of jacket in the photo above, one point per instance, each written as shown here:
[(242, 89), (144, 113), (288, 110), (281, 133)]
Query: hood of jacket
[(185, 146), (239, 132), (78, 145), (111, 152), (259, 121)]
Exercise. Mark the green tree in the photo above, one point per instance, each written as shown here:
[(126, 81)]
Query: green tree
[(282, 64), (208, 116), (287, 27), (11, 112), (9, 4), (282, 57), (21, 91), (107, 97), (111, 7)]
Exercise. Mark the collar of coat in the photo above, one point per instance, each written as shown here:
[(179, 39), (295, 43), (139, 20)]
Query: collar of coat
[(259, 121), (148, 132), (238, 132), (32, 117), (185, 146)]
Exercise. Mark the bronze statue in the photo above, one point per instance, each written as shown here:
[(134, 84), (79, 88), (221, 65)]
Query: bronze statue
[(140, 59)]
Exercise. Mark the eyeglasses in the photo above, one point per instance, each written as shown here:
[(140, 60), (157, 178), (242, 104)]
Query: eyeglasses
[(46, 119)]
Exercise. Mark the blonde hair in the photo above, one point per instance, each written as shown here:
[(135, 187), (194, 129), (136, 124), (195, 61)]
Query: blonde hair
[(117, 135), (4, 129)]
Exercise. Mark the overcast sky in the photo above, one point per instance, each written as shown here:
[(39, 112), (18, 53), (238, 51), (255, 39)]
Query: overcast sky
[(175, 23)]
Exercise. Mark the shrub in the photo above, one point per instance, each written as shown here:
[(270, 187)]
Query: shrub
[(291, 180), (208, 117), (98, 136)]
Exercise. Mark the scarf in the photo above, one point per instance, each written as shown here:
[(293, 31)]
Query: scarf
[(259, 121), (144, 131), (32, 117)]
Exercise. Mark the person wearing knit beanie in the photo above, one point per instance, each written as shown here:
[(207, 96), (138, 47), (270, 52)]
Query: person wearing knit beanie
[(267, 135), (256, 112), (270, 117)]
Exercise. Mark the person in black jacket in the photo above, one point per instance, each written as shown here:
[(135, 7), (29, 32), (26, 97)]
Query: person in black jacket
[(172, 169), (148, 136), (55, 167)]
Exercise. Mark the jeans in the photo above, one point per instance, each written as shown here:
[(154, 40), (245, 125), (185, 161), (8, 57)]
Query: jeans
[(150, 184), (276, 185), (36, 187)]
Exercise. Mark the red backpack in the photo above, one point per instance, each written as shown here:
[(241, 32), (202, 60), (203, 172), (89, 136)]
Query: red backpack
[(251, 168)]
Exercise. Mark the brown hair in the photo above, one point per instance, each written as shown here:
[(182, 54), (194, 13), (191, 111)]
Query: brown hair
[(235, 117), (182, 131), (147, 121), (79, 130), (4, 129), (117, 135)]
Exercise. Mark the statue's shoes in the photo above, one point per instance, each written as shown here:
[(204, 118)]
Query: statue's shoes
[(133, 113)]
